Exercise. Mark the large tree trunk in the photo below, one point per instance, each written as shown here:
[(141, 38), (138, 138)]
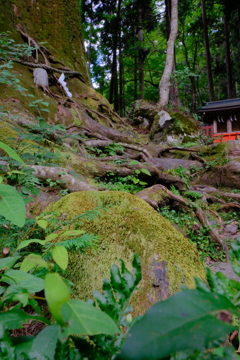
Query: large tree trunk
[(56, 22), (164, 85), (207, 50)]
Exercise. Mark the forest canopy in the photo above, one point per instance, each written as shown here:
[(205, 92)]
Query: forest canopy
[(126, 50)]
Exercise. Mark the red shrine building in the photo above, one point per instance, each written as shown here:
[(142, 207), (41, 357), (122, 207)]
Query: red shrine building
[(221, 119)]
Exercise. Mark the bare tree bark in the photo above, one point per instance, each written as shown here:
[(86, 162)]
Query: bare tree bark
[(164, 85)]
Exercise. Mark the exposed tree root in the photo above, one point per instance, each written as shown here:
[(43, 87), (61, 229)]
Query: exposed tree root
[(198, 158), (162, 151), (159, 200), (102, 144), (66, 181), (121, 121), (95, 129), (209, 190), (230, 207), (97, 143), (91, 111), (38, 48)]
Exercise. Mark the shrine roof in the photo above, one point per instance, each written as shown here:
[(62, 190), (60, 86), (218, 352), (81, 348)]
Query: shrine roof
[(213, 106)]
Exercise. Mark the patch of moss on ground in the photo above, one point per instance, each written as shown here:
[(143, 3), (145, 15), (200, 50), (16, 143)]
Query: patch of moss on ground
[(215, 152), (128, 225)]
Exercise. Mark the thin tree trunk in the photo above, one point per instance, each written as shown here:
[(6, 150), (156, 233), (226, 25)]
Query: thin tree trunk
[(140, 53), (120, 61), (114, 79), (227, 58), (113, 92), (192, 68), (135, 67), (239, 21), (164, 85), (207, 50), (174, 93)]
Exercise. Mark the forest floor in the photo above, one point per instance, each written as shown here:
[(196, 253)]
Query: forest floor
[(225, 268)]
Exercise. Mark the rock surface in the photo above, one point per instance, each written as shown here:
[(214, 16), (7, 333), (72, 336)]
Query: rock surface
[(129, 225), (169, 164), (227, 175), (225, 268)]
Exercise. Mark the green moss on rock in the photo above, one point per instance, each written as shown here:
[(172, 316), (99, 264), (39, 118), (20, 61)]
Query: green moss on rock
[(183, 125), (129, 225)]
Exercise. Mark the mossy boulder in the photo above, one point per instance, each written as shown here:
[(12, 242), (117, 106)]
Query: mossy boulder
[(144, 113), (129, 225), (174, 128)]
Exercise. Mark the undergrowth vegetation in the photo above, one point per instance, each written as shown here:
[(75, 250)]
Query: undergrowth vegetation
[(35, 255), (197, 234)]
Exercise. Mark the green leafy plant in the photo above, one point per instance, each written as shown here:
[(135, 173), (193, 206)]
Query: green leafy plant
[(73, 317), (198, 234), (130, 183), (174, 190), (193, 195), (12, 206), (183, 173), (8, 50)]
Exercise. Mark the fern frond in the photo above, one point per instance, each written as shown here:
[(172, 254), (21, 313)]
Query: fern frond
[(81, 243)]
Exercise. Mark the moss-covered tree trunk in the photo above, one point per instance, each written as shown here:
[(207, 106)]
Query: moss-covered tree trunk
[(57, 23), (54, 29)]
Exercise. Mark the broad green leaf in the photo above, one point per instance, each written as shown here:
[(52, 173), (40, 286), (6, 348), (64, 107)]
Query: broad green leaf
[(42, 223), (137, 269), (7, 351), (185, 321), (145, 171), (11, 153), (134, 162), (60, 256), (73, 232), (13, 319), (119, 285), (31, 261), (8, 262), (107, 302), (128, 277), (25, 243), (56, 293), (50, 237), (12, 206), (84, 318), (16, 277), (17, 172), (22, 344), (46, 341), (16, 293)]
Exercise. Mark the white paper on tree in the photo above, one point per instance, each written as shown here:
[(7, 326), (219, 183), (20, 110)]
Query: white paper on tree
[(64, 85), (40, 77)]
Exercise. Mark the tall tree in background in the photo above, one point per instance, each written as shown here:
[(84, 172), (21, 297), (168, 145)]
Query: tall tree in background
[(207, 51), (119, 29), (164, 85), (227, 57)]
